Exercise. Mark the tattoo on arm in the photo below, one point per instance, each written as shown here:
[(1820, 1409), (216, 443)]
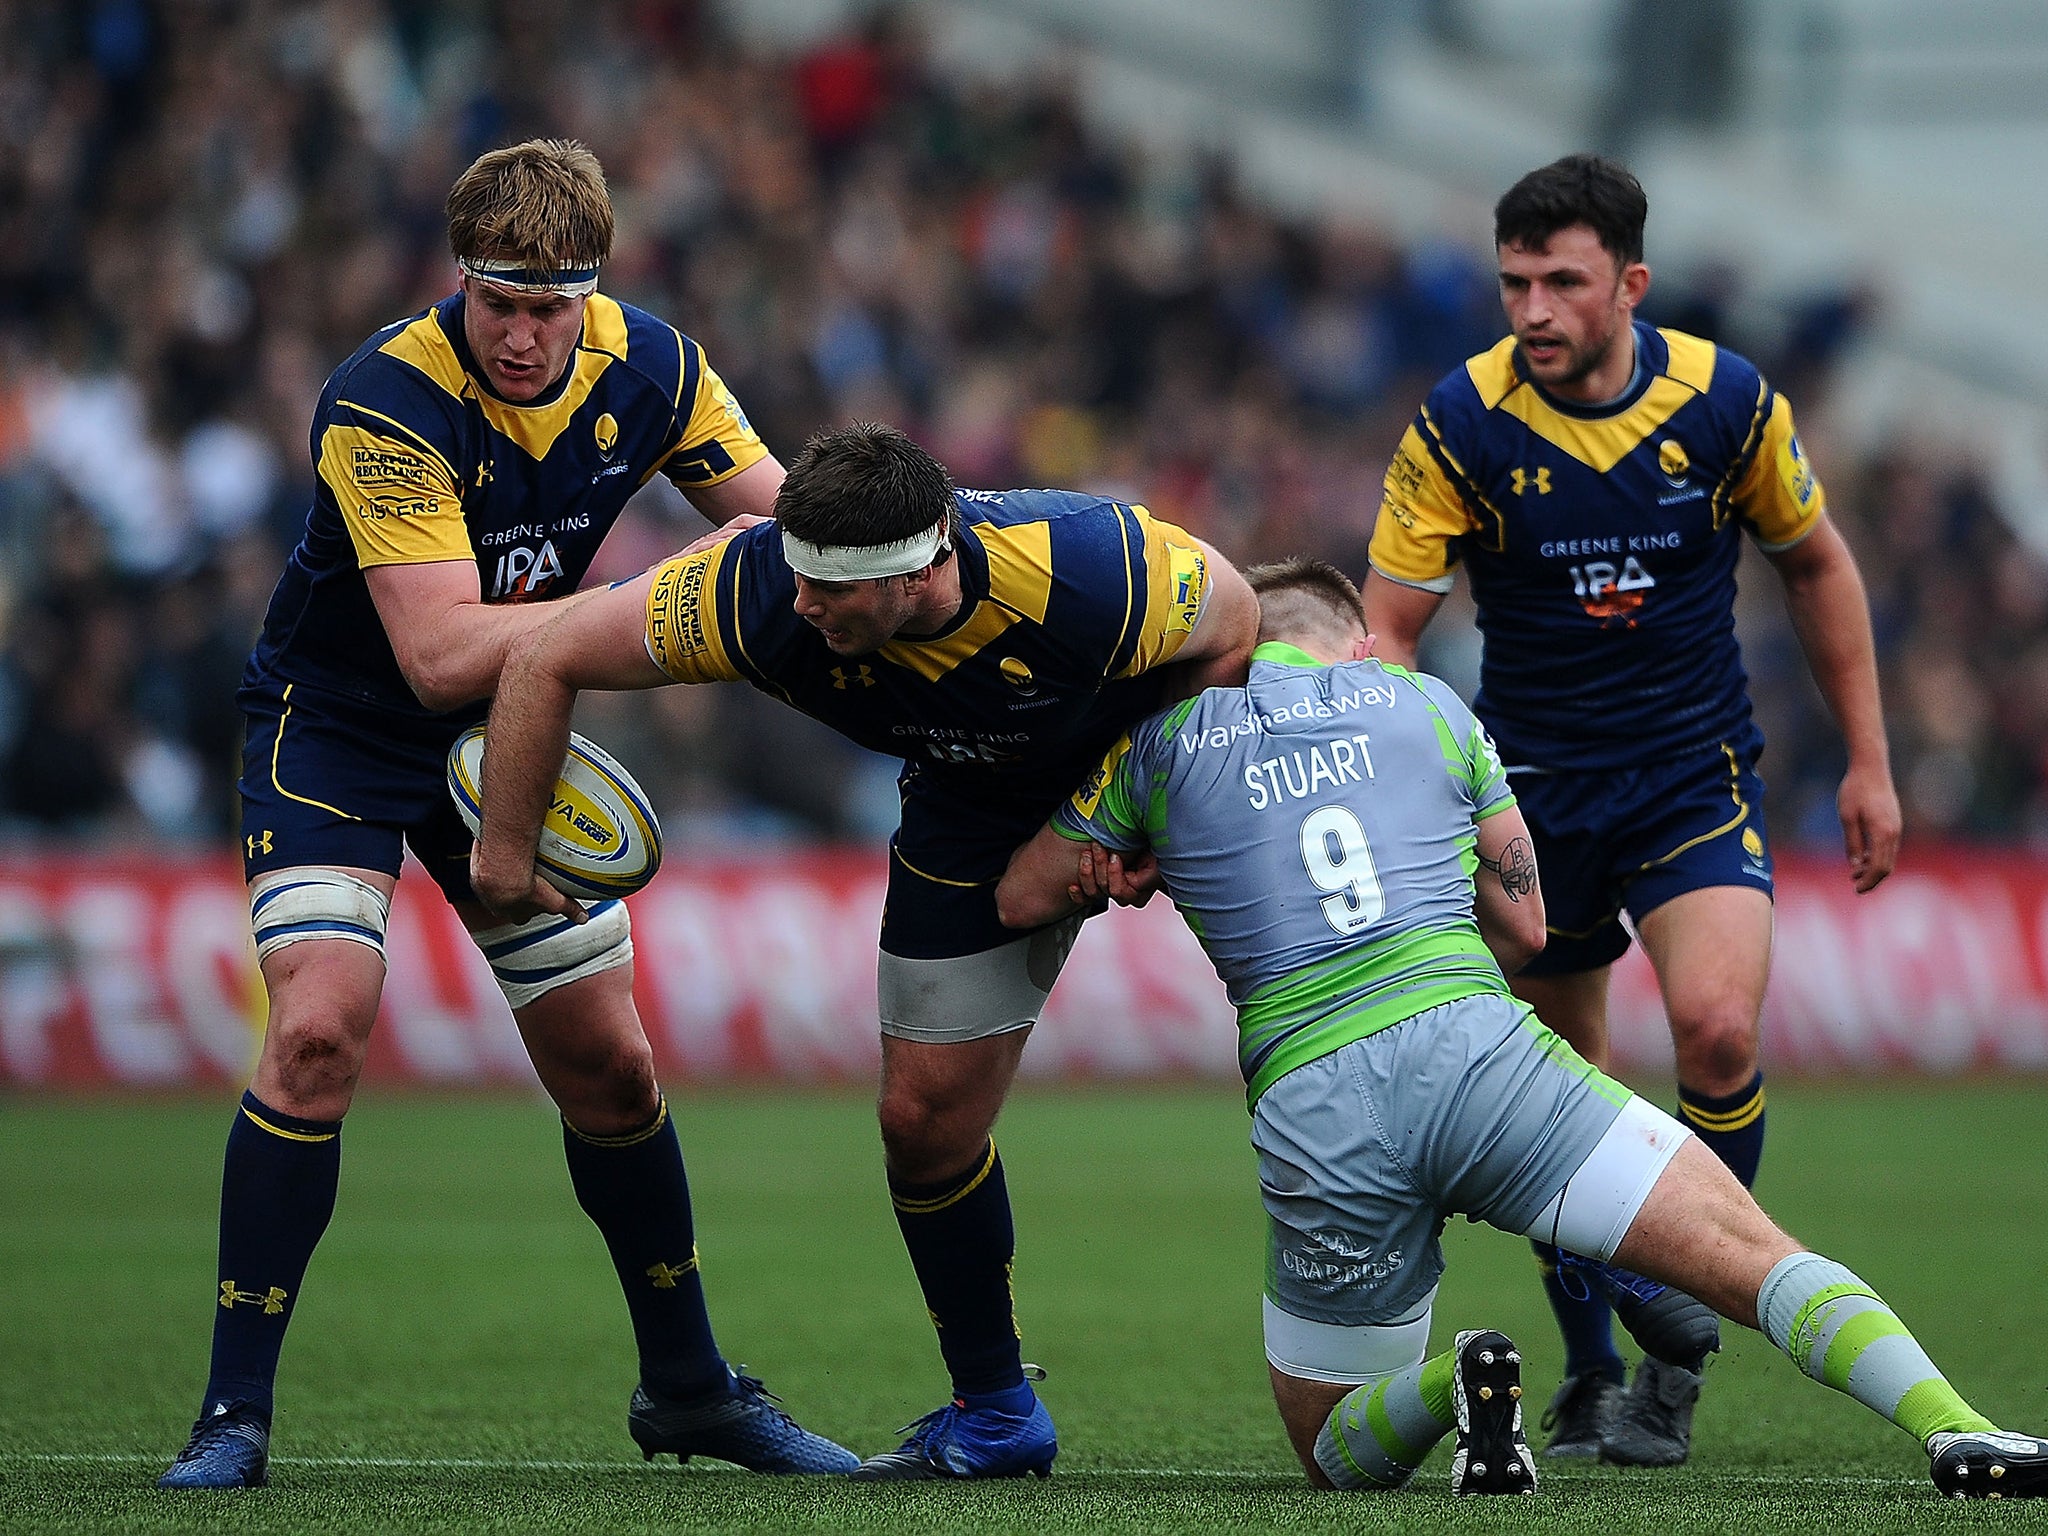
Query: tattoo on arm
[(1517, 868)]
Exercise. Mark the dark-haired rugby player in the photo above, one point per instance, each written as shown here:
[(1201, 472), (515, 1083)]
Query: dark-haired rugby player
[(1596, 478), (997, 641)]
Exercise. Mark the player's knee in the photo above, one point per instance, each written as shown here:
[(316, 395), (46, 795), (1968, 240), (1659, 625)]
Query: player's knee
[(606, 1092), (314, 1056), (925, 1137), (910, 1123), (1716, 1047)]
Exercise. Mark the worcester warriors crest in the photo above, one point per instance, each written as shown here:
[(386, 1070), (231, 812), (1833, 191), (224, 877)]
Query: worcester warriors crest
[(1673, 460)]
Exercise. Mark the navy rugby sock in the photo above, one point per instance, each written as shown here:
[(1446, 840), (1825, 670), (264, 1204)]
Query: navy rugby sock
[(634, 1188), (1583, 1317), (276, 1195), (961, 1243), (1732, 1126)]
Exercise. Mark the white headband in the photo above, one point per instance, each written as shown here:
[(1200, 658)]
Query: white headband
[(864, 562), (570, 282)]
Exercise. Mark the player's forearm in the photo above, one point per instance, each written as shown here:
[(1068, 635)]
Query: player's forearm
[(461, 656), (1831, 615), (524, 745)]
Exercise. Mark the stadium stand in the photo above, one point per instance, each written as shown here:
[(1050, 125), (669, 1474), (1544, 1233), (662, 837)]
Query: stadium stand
[(202, 208)]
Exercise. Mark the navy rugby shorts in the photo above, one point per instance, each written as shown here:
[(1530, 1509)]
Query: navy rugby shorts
[(327, 781), (1630, 839), (952, 846)]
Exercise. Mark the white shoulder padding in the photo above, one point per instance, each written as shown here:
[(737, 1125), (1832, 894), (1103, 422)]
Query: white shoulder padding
[(288, 905), (532, 958)]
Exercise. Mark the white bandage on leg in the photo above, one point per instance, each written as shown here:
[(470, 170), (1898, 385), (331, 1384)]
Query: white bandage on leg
[(1346, 1356), (288, 905), (1592, 1213), (532, 958)]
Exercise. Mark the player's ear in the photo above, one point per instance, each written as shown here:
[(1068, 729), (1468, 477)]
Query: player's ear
[(1362, 647), (1635, 283)]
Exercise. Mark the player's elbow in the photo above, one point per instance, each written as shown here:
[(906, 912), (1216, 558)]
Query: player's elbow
[(1515, 932), (1019, 904), (1524, 939), (1015, 908), (439, 685)]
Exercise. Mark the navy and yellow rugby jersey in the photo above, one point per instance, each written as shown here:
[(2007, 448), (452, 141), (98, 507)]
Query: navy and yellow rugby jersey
[(1069, 600), (1601, 544), (417, 462)]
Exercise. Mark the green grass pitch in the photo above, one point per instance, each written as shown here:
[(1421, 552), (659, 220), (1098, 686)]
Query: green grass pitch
[(460, 1361)]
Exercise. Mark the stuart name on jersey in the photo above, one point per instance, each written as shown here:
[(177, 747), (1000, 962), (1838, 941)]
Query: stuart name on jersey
[(1299, 774)]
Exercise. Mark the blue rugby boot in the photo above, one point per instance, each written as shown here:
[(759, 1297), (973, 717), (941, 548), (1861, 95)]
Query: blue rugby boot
[(229, 1448), (1989, 1464), (958, 1441), (743, 1426)]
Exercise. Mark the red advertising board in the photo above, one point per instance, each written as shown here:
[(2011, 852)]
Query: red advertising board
[(137, 971)]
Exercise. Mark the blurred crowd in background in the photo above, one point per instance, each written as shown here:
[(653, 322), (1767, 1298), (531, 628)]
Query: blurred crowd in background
[(205, 206)]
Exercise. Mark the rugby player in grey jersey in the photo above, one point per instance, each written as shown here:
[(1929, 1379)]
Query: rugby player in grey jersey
[(1344, 843)]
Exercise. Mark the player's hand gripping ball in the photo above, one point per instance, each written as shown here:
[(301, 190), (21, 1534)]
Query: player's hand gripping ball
[(600, 838)]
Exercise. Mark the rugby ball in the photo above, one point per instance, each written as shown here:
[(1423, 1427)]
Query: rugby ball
[(600, 839)]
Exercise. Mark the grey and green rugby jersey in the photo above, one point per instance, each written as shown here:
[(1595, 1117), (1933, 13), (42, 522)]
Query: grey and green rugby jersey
[(1318, 829)]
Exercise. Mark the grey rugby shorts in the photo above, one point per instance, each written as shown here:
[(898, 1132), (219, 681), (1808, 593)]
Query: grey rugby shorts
[(1470, 1108)]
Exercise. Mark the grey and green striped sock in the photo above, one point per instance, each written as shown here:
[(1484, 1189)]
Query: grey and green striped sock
[(1840, 1332), (1379, 1435)]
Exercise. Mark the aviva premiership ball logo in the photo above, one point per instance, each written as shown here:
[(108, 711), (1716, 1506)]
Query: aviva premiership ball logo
[(1671, 458), (1018, 676), (607, 435), (1752, 844)]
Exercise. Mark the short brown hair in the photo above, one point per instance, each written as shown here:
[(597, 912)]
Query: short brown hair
[(865, 484), (1306, 598), (543, 204), (1592, 190)]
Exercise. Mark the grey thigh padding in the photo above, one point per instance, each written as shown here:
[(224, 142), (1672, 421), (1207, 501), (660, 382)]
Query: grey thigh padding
[(970, 997)]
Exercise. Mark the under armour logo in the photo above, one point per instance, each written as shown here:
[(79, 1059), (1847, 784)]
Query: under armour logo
[(862, 674), (272, 1300), (665, 1276), (1541, 480), (258, 842)]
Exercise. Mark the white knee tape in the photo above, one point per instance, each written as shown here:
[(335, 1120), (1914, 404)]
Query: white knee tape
[(532, 958), (1346, 1356), (288, 905)]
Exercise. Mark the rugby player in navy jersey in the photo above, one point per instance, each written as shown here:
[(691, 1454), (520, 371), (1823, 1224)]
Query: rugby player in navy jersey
[(998, 642), (469, 461), (1595, 477)]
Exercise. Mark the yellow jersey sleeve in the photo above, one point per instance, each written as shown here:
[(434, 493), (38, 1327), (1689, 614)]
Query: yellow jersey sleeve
[(718, 441), (1780, 497), (1175, 585), (684, 636), (1420, 513), (399, 500)]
